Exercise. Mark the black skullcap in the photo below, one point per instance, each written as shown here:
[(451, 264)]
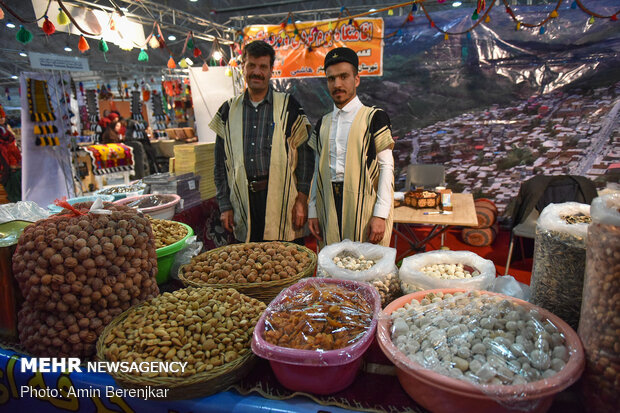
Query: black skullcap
[(341, 54)]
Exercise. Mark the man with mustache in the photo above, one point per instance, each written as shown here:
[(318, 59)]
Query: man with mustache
[(263, 165), (353, 183)]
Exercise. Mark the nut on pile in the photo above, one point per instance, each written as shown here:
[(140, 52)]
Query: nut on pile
[(448, 271), (167, 232), (247, 263), (353, 263), (204, 327), (76, 273), (577, 219)]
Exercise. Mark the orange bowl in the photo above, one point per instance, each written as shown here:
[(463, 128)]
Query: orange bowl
[(439, 393)]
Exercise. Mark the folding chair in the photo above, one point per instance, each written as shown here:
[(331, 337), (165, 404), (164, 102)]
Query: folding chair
[(538, 192), (425, 175)]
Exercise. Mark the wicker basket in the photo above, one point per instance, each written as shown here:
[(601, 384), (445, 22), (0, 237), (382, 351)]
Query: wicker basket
[(201, 384), (263, 291)]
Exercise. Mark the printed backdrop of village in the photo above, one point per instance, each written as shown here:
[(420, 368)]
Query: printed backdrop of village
[(489, 153), (497, 106)]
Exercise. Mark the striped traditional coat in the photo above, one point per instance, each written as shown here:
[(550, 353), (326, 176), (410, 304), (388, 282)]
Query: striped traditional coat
[(370, 134)]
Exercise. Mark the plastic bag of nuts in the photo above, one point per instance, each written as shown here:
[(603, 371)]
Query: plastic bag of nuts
[(479, 337), (365, 262), (441, 269), (77, 271), (560, 260), (599, 327)]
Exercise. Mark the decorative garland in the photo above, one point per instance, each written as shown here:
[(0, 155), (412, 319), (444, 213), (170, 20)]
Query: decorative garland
[(480, 8), (156, 38)]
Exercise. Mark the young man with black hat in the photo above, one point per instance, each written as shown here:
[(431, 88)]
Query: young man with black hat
[(263, 165), (353, 183)]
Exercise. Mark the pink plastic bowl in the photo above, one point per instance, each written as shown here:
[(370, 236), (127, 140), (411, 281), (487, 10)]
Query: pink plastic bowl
[(440, 393), (164, 211), (319, 372)]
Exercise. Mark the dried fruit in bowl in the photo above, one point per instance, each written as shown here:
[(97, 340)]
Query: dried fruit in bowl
[(319, 317)]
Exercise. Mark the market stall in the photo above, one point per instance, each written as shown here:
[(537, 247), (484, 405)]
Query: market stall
[(130, 295), (207, 311)]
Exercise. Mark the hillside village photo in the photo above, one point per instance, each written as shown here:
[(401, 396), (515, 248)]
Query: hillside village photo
[(489, 153)]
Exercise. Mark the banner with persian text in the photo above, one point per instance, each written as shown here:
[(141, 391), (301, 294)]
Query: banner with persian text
[(301, 48)]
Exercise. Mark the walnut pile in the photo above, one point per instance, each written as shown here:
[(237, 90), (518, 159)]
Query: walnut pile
[(77, 272)]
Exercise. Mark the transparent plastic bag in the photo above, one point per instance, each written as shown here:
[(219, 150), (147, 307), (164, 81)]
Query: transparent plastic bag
[(598, 327), (498, 344), (560, 260), (508, 285), (191, 249), (22, 211), (150, 201), (132, 189), (383, 274), (412, 278), (318, 317)]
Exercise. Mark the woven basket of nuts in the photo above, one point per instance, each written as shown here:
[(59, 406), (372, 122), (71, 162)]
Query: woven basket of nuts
[(210, 329), (258, 269)]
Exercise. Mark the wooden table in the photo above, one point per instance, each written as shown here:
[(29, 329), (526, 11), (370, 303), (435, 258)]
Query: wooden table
[(463, 214)]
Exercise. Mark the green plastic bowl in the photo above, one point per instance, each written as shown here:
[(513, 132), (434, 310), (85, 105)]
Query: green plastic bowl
[(10, 232), (165, 255)]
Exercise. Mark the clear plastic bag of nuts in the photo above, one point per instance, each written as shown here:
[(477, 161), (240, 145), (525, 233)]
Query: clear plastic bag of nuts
[(507, 349), (446, 269), (599, 326), (366, 262), (560, 260)]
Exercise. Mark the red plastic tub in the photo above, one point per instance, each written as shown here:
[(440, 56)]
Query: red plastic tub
[(318, 372), (440, 393)]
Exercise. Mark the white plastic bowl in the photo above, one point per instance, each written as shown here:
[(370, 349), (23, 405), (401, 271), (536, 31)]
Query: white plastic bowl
[(105, 198)]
